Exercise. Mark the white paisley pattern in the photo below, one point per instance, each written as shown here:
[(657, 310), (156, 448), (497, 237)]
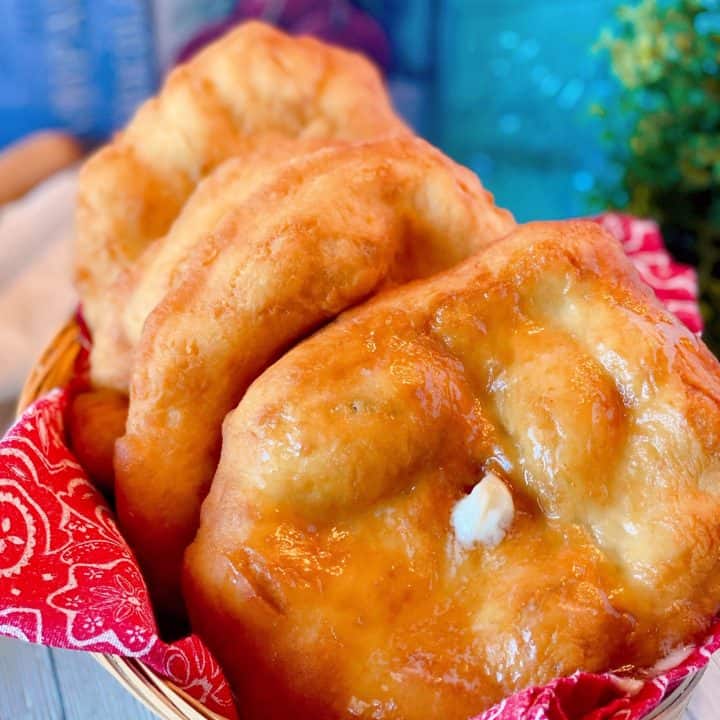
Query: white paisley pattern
[(106, 604), (17, 535)]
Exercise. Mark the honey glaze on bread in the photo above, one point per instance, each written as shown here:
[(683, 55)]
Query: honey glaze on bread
[(320, 234), (268, 186), (327, 576), (140, 288), (255, 82)]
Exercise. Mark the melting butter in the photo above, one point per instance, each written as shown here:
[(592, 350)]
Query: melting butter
[(484, 516)]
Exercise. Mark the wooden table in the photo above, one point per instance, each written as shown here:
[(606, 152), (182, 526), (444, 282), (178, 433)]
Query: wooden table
[(41, 684)]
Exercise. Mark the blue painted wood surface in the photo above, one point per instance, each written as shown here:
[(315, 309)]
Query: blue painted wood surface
[(41, 684), (37, 683)]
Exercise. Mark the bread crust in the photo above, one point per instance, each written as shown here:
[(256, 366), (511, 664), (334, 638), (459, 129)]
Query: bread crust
[(256, 81), (326, 576), (323, 233)]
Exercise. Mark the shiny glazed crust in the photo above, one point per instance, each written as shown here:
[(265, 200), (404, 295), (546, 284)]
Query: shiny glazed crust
[(140, 288), (254, 81), (326, 576), (316, 236)]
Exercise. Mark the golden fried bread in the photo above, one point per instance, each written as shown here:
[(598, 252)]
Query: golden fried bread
[(254, 81), (333, 575), (330, 229), (96, 419), (137, 290)]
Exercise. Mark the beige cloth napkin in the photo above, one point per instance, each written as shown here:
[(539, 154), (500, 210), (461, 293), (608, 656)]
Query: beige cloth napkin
[(36, 293)]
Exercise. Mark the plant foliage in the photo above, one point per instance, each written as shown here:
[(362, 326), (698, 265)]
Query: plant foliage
[(665, 133)]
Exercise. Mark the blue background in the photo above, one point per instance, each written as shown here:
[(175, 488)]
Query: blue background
[(502, 85), (508, 88)]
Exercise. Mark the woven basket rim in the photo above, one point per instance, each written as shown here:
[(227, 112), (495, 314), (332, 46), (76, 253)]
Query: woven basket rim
[(53, 369)]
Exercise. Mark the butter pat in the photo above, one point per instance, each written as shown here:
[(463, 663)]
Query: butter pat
[(483, 516)]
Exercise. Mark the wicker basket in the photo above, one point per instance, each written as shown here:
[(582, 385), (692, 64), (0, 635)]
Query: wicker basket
[(54, 369)]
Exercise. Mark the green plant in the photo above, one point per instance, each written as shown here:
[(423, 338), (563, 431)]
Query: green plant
[(664, 133)]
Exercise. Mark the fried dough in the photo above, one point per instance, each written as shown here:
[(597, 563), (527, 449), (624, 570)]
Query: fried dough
[(326, 232), (328, 576), (138, 289), (254, 82)]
